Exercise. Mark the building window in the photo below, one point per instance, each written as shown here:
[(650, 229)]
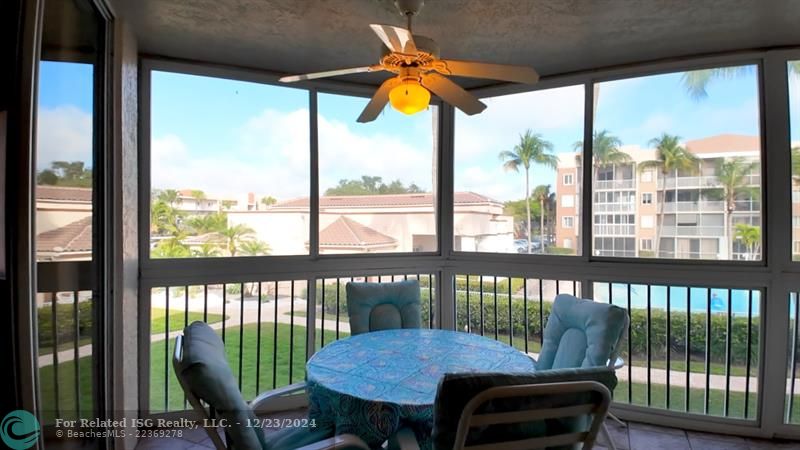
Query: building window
[(500, 184), (721, 161), (646, 244), (568, 221)]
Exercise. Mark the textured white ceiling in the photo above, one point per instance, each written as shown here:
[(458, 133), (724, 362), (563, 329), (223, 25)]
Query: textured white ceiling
[(553, 36)]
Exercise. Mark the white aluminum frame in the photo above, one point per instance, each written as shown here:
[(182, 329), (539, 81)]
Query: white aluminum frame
[(775, 275)]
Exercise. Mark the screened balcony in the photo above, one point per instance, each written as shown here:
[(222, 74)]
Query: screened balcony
[(167, 186)]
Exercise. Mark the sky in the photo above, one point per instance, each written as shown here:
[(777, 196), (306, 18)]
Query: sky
[(230, 137)]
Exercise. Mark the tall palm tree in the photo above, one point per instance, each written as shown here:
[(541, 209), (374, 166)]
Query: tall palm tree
[(542, 194), (208, 223), (532, 149), (733, 176), (234, 236), (670, 157), (605, 151), (750, 235), (171, 248)]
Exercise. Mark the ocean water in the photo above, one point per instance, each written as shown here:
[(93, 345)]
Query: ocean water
[(681, 297)]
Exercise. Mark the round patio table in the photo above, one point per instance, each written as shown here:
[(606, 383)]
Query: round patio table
[(371, 383)]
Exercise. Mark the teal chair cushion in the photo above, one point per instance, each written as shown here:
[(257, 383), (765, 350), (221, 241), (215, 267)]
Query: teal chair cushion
[(456, 390), (206, 370), (383, 306), (580, 333)]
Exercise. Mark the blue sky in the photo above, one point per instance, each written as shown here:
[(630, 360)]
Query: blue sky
[(230, 137)]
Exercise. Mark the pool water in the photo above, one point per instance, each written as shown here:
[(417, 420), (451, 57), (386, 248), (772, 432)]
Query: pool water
[(740, 300)]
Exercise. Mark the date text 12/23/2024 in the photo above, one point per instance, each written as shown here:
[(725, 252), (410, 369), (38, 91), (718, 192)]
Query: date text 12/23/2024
[(184, 423)]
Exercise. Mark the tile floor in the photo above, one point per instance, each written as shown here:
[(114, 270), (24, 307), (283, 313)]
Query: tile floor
[(635, 436)]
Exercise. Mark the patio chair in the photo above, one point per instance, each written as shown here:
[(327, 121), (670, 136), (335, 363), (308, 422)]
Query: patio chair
[(383, 306), (583, 333), (553, 409), (210, 387)]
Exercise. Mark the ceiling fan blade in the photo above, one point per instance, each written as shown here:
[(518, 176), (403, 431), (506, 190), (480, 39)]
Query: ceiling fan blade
[(397, 39), (329, 73), (378, 101), (452, 93), (517, 74)]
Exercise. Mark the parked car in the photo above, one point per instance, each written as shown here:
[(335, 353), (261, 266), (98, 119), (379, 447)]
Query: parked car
[(521, 245)]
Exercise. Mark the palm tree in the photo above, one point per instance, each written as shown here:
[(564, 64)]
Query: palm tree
[(170, 248), (208, 223), (696, 81), (605, 151), (206, 250), (670, 157), (234, 236), (532, 149), (750, 235), (733, 175), (255, 248), (268, 200), (542, 194)]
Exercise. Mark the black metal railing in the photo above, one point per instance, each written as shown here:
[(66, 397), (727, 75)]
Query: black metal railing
[(265, 326), (508, 309), (690, 349), (64, 310)]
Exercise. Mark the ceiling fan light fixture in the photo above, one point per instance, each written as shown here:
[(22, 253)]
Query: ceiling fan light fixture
[(409, 97)]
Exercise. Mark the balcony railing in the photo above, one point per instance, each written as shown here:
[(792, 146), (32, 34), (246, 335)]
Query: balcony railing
[(627, 184), (692, 230), (615, 230), (705, 181), (626, 207), (700, 206)]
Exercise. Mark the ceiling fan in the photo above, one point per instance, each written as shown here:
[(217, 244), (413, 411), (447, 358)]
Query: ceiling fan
[(415, 61)]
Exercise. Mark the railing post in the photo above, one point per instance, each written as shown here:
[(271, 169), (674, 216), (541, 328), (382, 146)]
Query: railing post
[(446, 296), (311, 316)]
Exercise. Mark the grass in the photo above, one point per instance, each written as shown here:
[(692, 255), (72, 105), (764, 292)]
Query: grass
[(161, 370), (177, 319)]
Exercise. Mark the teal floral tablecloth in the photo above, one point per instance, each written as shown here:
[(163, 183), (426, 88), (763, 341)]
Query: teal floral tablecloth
[(370, 384)]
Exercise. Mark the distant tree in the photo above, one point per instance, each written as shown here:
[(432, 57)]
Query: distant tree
[(750, 236), (254, 248), (268, 200), (733, 175), (796, 164), (234, 236), (531, 150), (171, 248), (208, 223), (228, 204), (670, 157), (372, 185), (542, 194), (206, 250), (605, 151), (63, 173)]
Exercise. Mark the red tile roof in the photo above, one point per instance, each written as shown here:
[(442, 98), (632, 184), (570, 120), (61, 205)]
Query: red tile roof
[(63, 193), (347, 232), (391, 201), (73, 237)]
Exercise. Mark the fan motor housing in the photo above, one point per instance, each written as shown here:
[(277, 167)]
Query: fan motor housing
[(428, 50)]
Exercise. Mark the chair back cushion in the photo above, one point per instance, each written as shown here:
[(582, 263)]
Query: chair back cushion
[(580, 333), (205, 370), (383, 306), (456, 390)]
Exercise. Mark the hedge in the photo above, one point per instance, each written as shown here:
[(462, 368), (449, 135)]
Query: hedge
[(638, 332), (65, 322)]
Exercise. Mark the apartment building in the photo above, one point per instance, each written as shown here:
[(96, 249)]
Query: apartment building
[(641, 212)]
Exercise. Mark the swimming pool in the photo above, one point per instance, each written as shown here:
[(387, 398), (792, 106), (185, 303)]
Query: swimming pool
[(741, 300)]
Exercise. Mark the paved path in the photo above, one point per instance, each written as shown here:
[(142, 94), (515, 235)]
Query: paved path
[(284, 304)]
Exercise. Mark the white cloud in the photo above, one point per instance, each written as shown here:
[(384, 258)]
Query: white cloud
[(271, 157), (64, 133), (499, 126)]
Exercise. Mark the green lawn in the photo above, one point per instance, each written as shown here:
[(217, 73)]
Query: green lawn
[(177, 319)]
